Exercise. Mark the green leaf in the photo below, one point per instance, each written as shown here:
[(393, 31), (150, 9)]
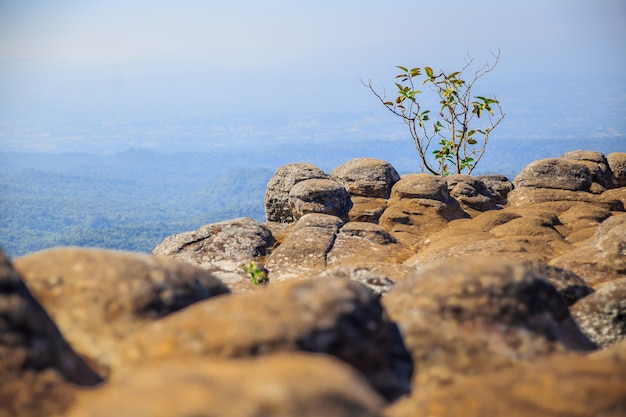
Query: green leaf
[(405, 69), (429, 72), (472, 141), (388, 103), (471, 133)]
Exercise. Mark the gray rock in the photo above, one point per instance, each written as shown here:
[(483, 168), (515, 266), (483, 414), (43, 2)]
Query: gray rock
[(471, 193), (602, 315), (617, 163), (379, 284), (322, 196), (499, 185), (554, 173), (366, 177), (598, 165), (220, 247), (277, 207)]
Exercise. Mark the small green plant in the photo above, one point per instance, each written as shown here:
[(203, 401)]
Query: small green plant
[(461, 143), (259, 274)]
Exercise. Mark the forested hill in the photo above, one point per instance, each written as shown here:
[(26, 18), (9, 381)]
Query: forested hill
[(132, 200), (126, 201)]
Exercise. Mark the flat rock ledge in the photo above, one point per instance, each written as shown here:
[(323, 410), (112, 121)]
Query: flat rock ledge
[(377, 295)]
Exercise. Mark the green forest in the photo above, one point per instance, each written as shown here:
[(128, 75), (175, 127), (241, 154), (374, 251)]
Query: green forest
[(127, 201)]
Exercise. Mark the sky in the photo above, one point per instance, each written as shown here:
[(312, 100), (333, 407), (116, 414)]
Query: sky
[(110, 74)]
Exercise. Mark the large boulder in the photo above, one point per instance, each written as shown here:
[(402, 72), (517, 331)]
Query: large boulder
[(601, 174), (498, 185), (222, 248), (98, 297), (277, 207), (324, 196), (475, 315), (280, 385), (366, 177), (419, 204), (555, 173), (473, 194), (337, 317), (37, 365), (563, 385)]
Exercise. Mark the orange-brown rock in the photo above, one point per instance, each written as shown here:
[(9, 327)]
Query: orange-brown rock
[(572, 385), (470, 315), (332, 316), (280, 385), (99, 297), (37, 366)]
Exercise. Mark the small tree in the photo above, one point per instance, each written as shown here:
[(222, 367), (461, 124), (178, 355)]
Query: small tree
[(461, 140)]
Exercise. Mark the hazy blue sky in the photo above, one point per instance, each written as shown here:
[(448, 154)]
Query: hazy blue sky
[(134, 67)]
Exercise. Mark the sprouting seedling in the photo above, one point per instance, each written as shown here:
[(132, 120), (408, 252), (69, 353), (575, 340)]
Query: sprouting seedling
[(258, 272)]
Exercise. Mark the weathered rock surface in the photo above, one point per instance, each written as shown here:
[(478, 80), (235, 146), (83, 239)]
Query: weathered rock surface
[(604, 258), (333, 316), (281, 385), (222, 248), (366, 177), (602, 315), (470, 316), (472, 194), (454, 292), (37, 365), (419, 204), (568, 385), (617, 163), (277, 208), (555, 173), (99, 297), (323, 196)]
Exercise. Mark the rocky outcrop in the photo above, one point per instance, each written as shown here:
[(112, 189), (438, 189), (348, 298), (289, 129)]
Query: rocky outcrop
[(99, 297), (284, 384), (470, 316), (332, 316), (323, 196), (222, 248), (387, 295), (367, 177), (568, 385), (37, 365), (277, 208)]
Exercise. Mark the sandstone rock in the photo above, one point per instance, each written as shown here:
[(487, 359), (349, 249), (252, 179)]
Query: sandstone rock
[(471, 193), (469, 316), (99, 297), (604, 258), (563, 385), (36, 363), (366, 209), (379, 284), (617, 163), (553, 173), (419, 204), (366, 177), (281, 385), (322, 196), (598, 165), (499, 186), (583, 216), (303, 252), (602, 315), (222, 248), (361, 243), (525, 196), (332, 316), (516, 234), (571, 287), (277, 208)]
